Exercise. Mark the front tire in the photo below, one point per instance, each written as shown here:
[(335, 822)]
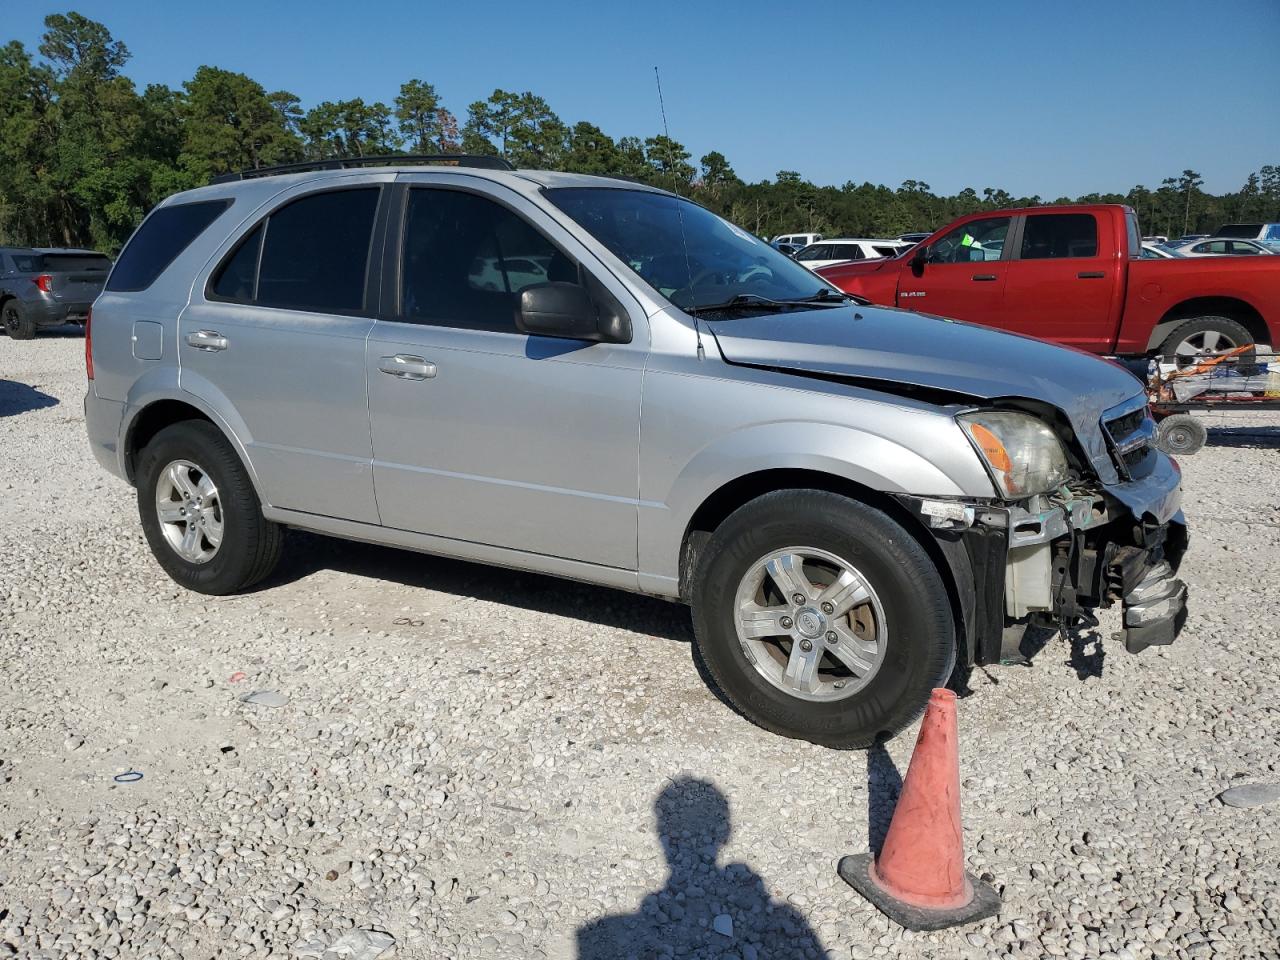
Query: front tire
[(199, 511), (16, 323), (821, 618)]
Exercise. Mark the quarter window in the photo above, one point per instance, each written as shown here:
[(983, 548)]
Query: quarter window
[(467, 259), (1058, 236), (157, 243)]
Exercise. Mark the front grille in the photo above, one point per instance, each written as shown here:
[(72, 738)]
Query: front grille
[(1131, 437)]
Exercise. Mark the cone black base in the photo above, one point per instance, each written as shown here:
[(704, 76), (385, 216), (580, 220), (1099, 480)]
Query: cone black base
[(855, 871)]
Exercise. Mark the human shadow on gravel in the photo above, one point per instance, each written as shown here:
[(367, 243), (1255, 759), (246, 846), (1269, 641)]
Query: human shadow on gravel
[(1256, 437), (309, 553), (16, 398), (680, 919)]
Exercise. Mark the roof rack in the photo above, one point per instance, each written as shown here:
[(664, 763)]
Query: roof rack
[(342, 163)]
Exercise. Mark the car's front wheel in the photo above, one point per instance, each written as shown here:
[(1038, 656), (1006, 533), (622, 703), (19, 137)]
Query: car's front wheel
[(200, 513), (821, 618)]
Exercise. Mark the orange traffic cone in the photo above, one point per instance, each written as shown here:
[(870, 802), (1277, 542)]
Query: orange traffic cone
[(919, 880)]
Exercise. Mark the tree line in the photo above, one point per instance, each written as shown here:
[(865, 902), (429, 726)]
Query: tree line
[(84, 154)]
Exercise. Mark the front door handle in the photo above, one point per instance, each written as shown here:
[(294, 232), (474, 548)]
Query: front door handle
[(984, 276), (1091, 275), (207, 340), (407, 367)]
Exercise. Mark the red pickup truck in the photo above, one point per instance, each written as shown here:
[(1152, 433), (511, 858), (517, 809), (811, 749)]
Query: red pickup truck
[(1076, 275)]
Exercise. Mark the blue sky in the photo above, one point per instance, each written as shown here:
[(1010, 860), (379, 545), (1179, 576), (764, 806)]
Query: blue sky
[(1046, 98)]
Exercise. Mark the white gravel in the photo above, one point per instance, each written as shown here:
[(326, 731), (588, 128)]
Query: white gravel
[(480, 763)]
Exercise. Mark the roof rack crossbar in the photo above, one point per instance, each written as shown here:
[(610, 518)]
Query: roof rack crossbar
[(342, 163)]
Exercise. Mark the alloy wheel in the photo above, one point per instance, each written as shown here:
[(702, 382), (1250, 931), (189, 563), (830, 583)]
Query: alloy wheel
[(810, 623), (190, 511)]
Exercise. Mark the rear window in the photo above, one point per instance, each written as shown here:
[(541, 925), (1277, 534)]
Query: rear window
[(75, 263), (157, 243), (1241, 231)]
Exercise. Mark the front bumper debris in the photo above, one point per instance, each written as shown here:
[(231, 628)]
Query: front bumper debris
[(1057, 559), (1155, 609)]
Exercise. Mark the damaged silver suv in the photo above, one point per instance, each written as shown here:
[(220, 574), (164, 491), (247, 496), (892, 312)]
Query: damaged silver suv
[(602, 381)]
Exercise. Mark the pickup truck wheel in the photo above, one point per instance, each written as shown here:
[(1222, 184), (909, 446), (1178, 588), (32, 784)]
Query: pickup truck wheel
[(1181, 435), (199, 511), (1206, 337), (821, 618), (16, 324)]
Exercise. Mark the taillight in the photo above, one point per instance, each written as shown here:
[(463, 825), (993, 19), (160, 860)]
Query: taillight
[(88, 343), (45, 283)]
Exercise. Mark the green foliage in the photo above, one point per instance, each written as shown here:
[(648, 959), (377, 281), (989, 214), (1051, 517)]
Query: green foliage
[(84, 155)]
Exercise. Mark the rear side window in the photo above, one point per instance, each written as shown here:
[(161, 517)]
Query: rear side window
[(27, 264), (1053, 236), (311, 254), (157, 243)]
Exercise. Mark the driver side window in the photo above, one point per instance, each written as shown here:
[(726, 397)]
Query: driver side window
[(467, 259), (975, 241)]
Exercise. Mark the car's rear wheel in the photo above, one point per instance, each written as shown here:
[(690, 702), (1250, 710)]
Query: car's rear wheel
[(199, 511), (15, 321), (1203, 338), (821, 618)]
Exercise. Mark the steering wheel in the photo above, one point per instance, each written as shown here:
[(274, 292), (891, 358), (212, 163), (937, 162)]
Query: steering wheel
[(757, 271), (692, 285)]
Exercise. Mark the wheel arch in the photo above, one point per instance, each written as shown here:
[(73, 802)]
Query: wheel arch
[(164, 410), (1231, 307), (736, 493)]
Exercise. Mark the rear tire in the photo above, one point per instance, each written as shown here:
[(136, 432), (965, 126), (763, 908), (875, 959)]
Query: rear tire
[(1208, 335), (248, 545), (913, 629), (16, 323)]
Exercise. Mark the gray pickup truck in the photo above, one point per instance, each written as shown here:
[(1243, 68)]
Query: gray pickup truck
[(603, 381), (46, 287)]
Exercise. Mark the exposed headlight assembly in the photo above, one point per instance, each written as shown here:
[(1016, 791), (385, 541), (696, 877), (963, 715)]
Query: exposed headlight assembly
[(1024, 455)]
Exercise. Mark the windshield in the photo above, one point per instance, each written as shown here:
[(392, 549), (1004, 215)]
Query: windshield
[(1241, 231), (651, 232)]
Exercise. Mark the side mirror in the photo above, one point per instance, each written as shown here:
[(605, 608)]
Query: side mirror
[(567, 311), (918, 260)]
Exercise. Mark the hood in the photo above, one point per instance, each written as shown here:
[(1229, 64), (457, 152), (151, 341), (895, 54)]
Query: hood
[(856, 268), (890, 349)]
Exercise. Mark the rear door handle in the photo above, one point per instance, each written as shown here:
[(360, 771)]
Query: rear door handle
[(984, 276), (1091, 275), (407, 367), (207, 340)]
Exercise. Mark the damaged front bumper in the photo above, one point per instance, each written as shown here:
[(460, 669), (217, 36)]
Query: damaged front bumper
[(1054, 559)]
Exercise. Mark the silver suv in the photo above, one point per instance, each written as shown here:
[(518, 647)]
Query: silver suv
[(602, 381)]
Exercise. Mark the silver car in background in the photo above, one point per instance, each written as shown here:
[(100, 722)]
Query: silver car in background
[(603, 381)]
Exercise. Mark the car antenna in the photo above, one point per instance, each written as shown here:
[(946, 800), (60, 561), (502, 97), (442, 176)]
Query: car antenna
[(684, 243)]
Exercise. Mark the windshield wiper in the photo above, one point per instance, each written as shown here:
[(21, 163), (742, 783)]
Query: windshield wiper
[(754, 301)]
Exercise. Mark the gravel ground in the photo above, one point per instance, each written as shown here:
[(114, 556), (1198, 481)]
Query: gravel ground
[(488, 764)]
